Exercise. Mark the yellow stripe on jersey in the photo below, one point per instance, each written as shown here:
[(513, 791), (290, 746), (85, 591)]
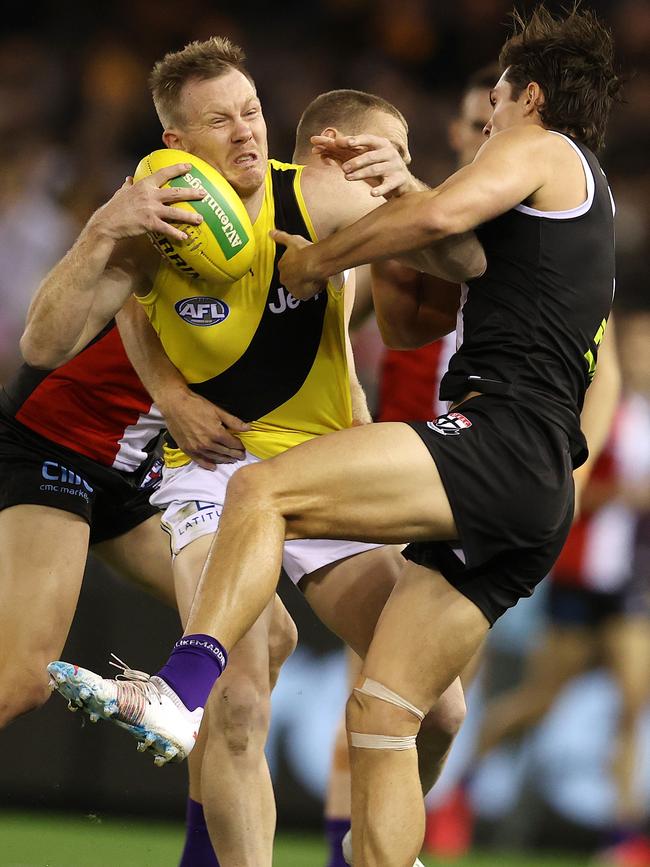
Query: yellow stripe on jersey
[(250, 346)]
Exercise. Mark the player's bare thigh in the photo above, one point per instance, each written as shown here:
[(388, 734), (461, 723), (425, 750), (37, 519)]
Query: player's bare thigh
[(626, 649), (142, 556), (564, 652), (349, 595), (426, 634), (43, 558), (375, 483)]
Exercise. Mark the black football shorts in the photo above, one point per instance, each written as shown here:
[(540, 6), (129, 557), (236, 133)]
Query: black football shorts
[(36, 471), (508, 476)]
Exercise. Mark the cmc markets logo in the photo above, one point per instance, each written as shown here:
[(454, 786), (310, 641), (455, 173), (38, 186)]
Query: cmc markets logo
[(202, 310), (60, 479)]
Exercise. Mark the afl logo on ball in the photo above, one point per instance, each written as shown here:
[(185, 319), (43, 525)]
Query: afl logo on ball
[(202, 310), (450, 425)]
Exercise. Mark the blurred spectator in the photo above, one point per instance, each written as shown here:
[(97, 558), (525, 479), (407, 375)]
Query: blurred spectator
[(35, 230)]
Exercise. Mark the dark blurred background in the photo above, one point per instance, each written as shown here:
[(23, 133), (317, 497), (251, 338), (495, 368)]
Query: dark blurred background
[(75, 118)]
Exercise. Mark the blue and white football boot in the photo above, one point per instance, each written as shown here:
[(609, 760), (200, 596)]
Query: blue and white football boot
[(145, 706)]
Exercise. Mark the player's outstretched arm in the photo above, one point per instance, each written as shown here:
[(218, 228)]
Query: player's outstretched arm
[(508, 169), (384, 166), (89, 285), (205, 432)]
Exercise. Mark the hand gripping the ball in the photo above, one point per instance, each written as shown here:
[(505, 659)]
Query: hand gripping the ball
[(138, 208), (221, 249)]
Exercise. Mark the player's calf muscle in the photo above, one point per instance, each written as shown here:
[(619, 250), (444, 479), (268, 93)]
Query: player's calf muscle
[(283, 638), (21, 690)]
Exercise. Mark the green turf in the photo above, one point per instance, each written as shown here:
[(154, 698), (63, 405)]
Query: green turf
[(47, 840)]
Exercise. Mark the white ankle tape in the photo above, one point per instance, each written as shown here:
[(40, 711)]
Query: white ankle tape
[(378, 690), (381, 742)]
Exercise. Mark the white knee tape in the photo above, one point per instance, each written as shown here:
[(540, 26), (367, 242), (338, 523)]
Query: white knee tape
[(378, 690), (384, 742), (381, 742)]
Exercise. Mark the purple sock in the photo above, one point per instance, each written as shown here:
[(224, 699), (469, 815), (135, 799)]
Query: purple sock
[(195, 663), (335, 831), (198, 851)]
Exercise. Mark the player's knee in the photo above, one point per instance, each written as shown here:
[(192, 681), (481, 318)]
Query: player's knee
[(239, 715), (19, 695), (251, 484), (445, 719), (370, 715)]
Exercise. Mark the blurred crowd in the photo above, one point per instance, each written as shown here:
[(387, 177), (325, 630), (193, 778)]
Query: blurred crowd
[(76, 117)]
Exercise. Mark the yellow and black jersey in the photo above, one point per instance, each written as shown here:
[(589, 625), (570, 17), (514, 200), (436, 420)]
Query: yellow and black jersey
[(251, 347)]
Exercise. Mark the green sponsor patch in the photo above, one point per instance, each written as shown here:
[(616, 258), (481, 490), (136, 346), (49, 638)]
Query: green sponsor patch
[(223, 222)]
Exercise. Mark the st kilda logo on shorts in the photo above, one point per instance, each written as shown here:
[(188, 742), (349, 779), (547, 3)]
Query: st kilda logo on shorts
[(154, 474), (202, 310), (450, 425)]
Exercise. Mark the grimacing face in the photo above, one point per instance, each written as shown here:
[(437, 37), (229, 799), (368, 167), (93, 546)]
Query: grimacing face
[(224, 125)]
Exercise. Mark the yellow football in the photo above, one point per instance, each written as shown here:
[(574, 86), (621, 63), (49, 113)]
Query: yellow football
[(221, 248)]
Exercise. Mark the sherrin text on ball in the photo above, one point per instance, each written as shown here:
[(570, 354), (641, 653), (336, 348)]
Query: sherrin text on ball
[(221, 248)]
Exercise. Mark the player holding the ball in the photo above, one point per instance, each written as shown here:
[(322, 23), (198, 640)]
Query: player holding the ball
[(496, 472), (281, 365)]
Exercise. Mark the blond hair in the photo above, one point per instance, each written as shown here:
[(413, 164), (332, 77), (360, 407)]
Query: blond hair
[(211, 58), (344, 109)]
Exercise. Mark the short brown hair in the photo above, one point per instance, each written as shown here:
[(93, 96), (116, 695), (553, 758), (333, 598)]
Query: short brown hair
[(199, 60), (571, 57), (346, 109)]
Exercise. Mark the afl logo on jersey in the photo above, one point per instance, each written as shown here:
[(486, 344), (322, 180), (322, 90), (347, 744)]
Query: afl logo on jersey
[(202, 310)]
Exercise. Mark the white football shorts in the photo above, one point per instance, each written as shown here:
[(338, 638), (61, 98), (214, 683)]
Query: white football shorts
[(192, 498)]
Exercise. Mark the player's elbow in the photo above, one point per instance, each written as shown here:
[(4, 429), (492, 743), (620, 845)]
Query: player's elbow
[(417, 332), (465, 261), (476, 266), (437, 223), (38, 353), (401, 336), (401, 341)]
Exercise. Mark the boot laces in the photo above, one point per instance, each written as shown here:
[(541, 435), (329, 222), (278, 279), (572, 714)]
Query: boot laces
[(133, 680)]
